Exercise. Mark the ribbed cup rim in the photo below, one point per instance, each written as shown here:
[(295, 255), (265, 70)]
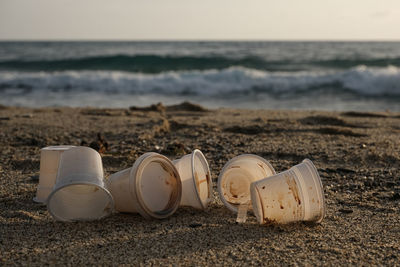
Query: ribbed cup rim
[(135, 189), (57, 148), (208, 177), (258, 209), (59, 218), (318, 181)]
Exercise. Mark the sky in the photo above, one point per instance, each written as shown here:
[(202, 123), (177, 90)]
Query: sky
[(199, 20)]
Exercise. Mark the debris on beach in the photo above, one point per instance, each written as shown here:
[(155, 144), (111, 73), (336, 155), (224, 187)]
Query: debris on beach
[(25, 116), (159, 107), (34, 178), (29, 140), (327, 120), (162, 127), (396, 196), (195, 225), (250, 130), (359, 175), (165, 126), (175, 149), (104, 112), (339, 131), (363, 114), (186, 106), (346, 211), (174, 125), (100, 145)]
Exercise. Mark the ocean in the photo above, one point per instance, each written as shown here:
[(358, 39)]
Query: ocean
[(256, 75)]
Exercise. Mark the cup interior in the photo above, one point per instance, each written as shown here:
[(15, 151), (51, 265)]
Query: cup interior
[(236, 177), (236, 184), (157, 186)]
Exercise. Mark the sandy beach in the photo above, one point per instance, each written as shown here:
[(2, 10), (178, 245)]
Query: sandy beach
[(357, 155)]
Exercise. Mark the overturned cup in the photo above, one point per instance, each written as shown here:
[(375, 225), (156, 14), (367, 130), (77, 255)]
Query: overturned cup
[(237, 175), (152, 187), (49, 159), (290, 196), (196, 180), (79, 193)]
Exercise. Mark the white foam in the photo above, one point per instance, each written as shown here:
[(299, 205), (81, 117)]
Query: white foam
[(235, 87), (362, 79)]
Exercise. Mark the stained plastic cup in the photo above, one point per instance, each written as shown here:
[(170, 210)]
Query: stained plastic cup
[(290, 196), (49, 159), (237, 175), (152, 187), (79, 193), (196, 180)]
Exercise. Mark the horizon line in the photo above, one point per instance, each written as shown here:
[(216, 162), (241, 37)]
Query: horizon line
[(198, 40)]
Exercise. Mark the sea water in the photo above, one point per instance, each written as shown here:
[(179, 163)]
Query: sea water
[(267, 75)]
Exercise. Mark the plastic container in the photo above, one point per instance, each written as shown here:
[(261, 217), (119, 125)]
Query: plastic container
[(290, 196), (49, 159), (196, 180), (237, 175), (79, 193), (152, 187)]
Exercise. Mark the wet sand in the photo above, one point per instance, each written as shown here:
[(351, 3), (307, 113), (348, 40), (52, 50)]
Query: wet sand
[(357, 155)]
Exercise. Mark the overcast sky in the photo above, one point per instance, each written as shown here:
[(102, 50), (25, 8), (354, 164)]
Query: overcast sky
[(200, 19)]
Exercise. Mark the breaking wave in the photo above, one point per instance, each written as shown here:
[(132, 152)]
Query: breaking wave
[(360, 80)]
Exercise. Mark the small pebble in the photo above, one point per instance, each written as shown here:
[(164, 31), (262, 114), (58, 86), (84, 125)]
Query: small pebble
[(35, 178), (195, 225), (396, 196), (27, 116), (346, 211)]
